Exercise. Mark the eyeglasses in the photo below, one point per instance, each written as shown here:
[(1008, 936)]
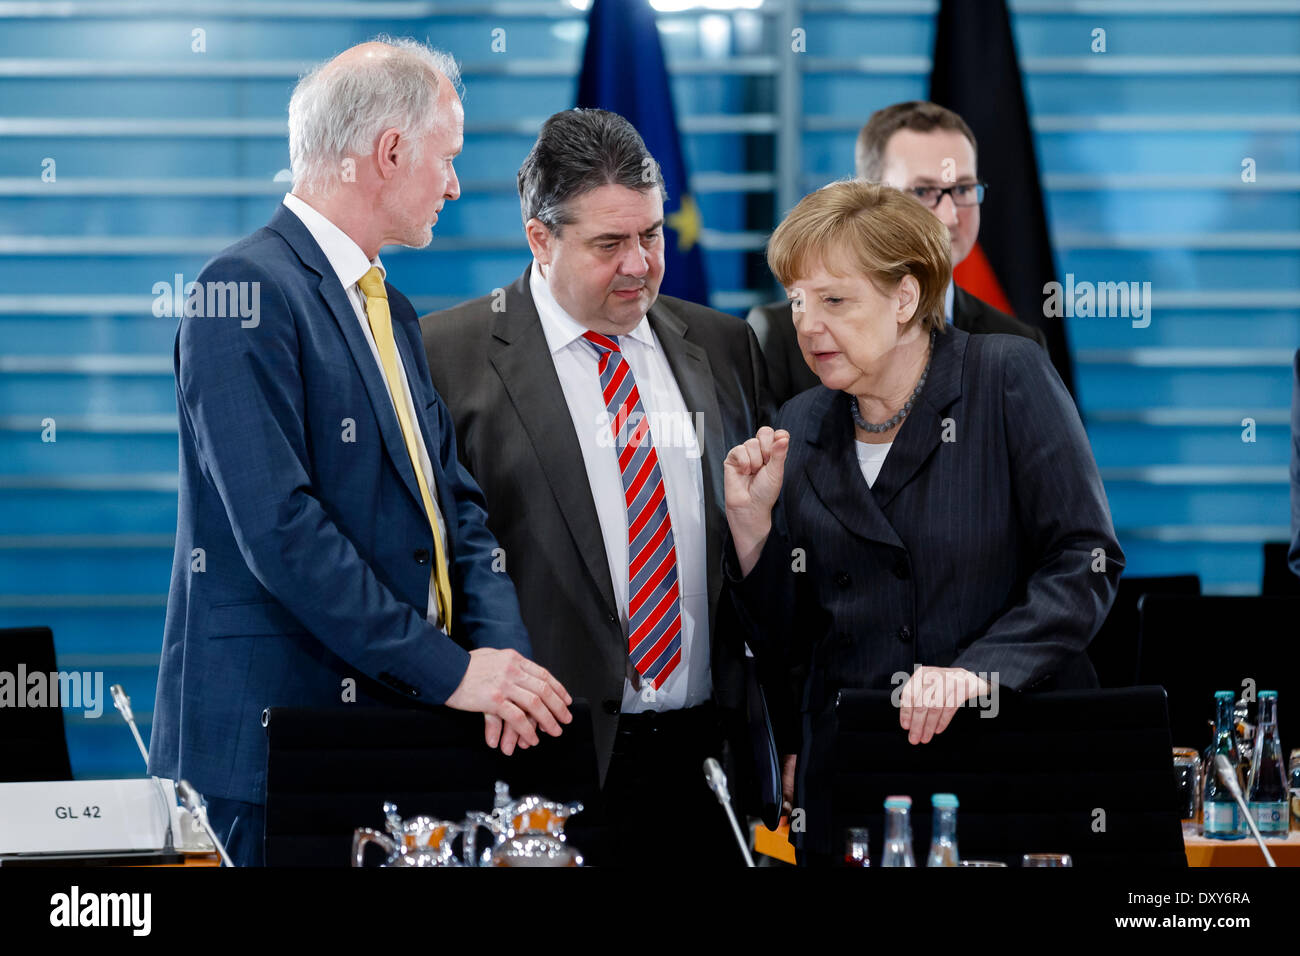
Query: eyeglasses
[(963, 194)]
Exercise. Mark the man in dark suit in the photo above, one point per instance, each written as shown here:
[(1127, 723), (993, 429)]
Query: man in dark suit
[(929, 152), (595, 415), (330, 548)]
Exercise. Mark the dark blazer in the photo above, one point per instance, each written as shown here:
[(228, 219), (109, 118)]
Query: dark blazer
[(296, 485), (517, 438), (1293, 555), (788, 374), (975, 552)]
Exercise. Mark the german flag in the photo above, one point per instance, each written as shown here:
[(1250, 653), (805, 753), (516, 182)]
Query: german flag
[(977, 75)]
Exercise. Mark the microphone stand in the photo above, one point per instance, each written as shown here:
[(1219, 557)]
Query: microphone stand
[(177, 831), (1228, 777), (717, 781), (194, 803), (123, 704)]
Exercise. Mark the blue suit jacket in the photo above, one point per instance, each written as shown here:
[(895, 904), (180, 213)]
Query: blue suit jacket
[(302, 547), (976, 547)]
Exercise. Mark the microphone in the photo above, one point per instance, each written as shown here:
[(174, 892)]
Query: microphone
[(123, 704), (717, 781), (182, 826), (1228, 777), (194, 803)]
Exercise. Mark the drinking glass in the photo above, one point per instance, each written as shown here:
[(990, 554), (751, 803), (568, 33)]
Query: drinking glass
[(857, 847), (1187, 773)]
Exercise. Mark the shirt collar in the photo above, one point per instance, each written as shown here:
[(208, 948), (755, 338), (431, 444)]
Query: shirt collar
[(947, 302), (345, 256), (562, 329)]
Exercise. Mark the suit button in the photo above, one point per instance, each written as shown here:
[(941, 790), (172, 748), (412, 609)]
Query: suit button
[(905, 634), (901, 569), (841, 579), (610, 707), (421, 556)]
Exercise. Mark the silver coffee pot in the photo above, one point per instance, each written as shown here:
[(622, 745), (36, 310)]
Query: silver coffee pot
[(526, 832), (419, 841)]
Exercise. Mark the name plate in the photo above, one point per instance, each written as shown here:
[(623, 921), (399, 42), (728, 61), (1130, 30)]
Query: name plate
[(60, 816)]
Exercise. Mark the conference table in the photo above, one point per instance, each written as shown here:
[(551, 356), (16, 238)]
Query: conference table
[(1200, 850)]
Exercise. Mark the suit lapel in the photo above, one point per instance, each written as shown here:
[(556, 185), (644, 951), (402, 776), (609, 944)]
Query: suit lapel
[(300, 239), (833, 471), (410, 346), (966, 314), (521, 357), (922, 430), (694, 374)]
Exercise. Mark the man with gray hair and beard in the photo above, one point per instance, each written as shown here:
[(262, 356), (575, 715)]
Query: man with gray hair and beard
[(331, 550)]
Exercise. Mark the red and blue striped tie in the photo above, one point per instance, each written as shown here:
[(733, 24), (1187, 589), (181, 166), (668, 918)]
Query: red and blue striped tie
[(654, 609)]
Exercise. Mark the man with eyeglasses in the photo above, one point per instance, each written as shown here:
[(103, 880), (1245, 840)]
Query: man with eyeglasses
[(928, 152)]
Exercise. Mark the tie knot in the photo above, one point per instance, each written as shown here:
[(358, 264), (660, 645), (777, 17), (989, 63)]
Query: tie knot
[(603, 343), (372, 284)]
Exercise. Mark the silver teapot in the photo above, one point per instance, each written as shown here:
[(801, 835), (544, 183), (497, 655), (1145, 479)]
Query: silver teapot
[(526, 832), (419, 841)]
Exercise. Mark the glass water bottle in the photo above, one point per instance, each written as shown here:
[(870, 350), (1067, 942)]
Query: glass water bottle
[(1266, 793), (1221, 816), (943, 845), (898, 832)]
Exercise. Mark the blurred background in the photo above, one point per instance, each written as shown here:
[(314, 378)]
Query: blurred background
[(132, 148)]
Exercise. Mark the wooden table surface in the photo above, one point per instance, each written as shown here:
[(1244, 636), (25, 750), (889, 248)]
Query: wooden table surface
[(1200, 851)]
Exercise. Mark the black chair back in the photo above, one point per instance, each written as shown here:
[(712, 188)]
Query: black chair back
[(329, 771), (1279, 579), (1193, 646), (1088, 773), (32, 741), (1117, 649)]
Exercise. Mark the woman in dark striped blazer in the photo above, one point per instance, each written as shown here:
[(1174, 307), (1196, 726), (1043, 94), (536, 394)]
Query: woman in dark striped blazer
[(931, 514)]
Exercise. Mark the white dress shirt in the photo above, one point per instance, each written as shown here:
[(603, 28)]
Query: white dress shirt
[(871, 458), (948, 296), (350, 265), (677, 447)]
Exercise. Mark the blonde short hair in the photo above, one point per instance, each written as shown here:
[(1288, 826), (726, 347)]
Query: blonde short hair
[(879, 231)]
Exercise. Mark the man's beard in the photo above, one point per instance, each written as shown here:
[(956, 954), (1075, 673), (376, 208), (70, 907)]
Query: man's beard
[(417, 236)]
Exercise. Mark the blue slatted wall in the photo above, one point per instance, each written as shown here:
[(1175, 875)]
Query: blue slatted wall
[(163, 155)]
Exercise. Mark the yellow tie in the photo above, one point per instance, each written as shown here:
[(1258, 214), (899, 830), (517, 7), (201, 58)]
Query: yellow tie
[(381, 326)]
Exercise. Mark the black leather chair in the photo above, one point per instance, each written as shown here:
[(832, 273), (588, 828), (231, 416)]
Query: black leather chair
[(32, 741), (329, 771), (1279, 580), (1088, 773), (1117, 649), (1193, 646)]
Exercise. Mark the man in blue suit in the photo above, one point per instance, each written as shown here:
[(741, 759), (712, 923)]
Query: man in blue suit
[(330, 548)]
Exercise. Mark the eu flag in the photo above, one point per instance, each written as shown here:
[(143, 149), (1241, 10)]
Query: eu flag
[(623, 71)]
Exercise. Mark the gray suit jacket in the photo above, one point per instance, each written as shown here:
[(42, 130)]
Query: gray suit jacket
[(788, 374), (493, 369), (977, 546)]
